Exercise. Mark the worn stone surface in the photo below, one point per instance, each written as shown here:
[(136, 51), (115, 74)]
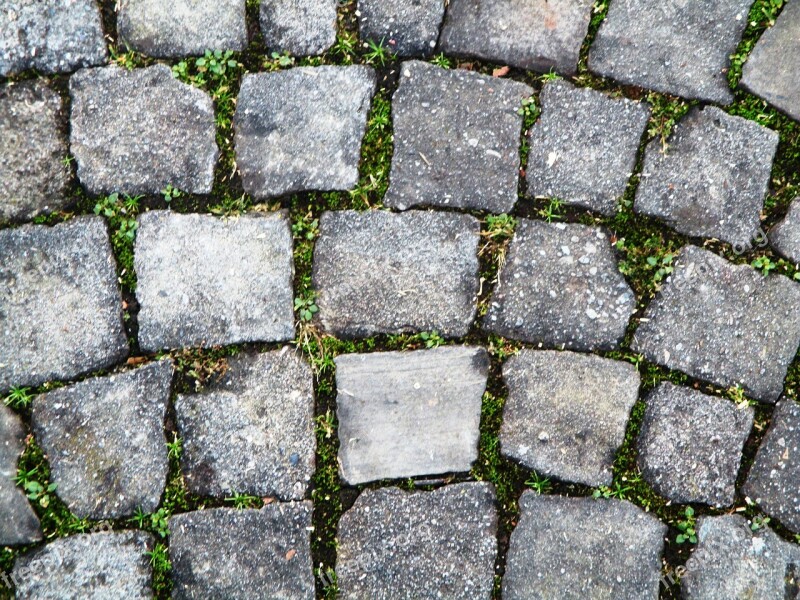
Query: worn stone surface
[(300, 129), (566, 413), (404, 414), (299, 27), (19, 524), (712, 180), (251, 432), (33, 178), (204, 281), (537, 35), (229, 553), (583, 147), (440, 544), (677, 47), (182, 27), (560, 286), (690, 445), (380, 272), (60, 304), (406, 27), (141, 130), (51, 36), (785, 236), (577, 548), (456, 139), (723, 323)]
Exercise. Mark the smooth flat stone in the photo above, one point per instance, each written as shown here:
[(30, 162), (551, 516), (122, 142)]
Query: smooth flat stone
[(299, 27), (785, 236), (19, 524), (406, 27)]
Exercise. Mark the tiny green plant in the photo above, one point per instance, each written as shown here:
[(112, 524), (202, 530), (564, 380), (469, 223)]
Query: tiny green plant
[(759, 522), (687, 527), (171, 193), (306, 307), (34, 489), (552, 212), (279, 61), (539, 484), (528, 108), (377, 53), (175, 447), (617, 490), (764, 264), (500, 227), (440, 60), (432, 339), (662, 264), (18, 398), (242, 501), (157, 522)]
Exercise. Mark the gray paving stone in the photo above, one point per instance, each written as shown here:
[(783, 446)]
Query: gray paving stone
[(229, 553), (300, 129), (723, 323), (561, 286), (51, 36), (404, 414), (785, 236), (577, 548), (60, 304), (33, 177), (690, 445), (440, 544), (713, 178), (456, 139), (406, 27), (538, 35), (253, 430), (19, 524), (677, 47), (182, 27), (299, 27), (566, 413), (104, 439), (381, 272), (103, 566), (583, 148), (204, 281), (138, 131)]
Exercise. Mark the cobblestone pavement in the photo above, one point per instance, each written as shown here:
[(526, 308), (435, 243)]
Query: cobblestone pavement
[(400, 299)]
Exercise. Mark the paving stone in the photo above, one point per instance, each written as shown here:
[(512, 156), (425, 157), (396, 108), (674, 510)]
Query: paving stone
[(404, 414), (577, 548), (583, 148), (300, 129), (138, 131), (677, 47), (406, 27), (19, 524), (538, 35), (299, 27), (99, 565), (456, 139), (51, 36), (182, 27), (253, 430), (732, 561), (713, 178), (381, 272), (60, 304), (104, 438), (723, 323), (566, 413), (785, 236), (229, 553), (33, 178), (560, 286), (767, 72), (690, 445), (440, 544), (204, 281)]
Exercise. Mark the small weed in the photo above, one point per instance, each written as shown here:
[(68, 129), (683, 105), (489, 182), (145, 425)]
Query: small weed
[(175, 447), (539, 484), (121, 212), (763, 264), (529, 109), (432, 339), (171, 193), (242, 501), (19, 398), (377, 54), (305, 306), (499, 227), (687, 527), (162, 567), (666, 112), (344, 50), (618, 490), (552, 212), (35, 490), (278, 61), (440, 60), (662, 264), (157, 522), (759, 522)]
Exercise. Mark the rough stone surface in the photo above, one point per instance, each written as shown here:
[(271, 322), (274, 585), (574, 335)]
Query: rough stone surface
[(52, 36), (690, 445), (105, 442), (380, 272), (560, 286), (33, 178), (251, 432), (60, 304), (299, 27), (723, 323), (577, 548), (182, 27), (300, 129), (404, 414), (566, 413), (677, 47), (785, 236), (139, 131), (538, 35), (583, 148), (204, 281), (229, 553), (19, 524), (406, 27), (712, 180), (440, 544), (456, 139)]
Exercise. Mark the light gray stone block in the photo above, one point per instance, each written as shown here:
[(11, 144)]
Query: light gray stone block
[(299, 27), (19, 524)]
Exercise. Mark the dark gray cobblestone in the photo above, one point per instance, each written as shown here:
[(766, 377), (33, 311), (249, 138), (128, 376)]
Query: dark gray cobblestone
[(406, 27), (19, 524), (299, 27), (785, 236)]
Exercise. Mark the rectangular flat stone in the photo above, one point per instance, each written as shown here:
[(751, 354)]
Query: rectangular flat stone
[(299, 27), (19, 524), (406, 27)]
